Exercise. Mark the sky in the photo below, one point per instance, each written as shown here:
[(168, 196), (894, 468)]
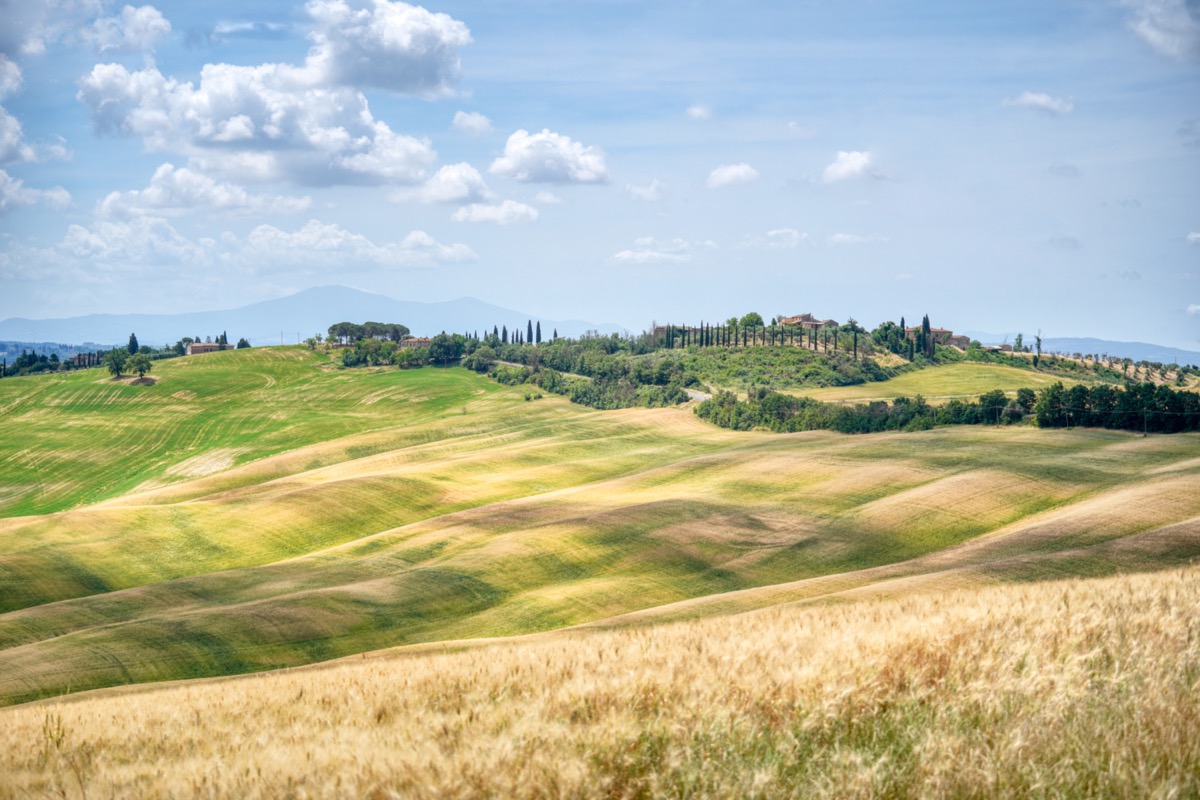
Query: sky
[(1000, 166)]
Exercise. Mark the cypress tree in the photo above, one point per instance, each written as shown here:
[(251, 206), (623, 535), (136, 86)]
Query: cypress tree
[(133, 344), (529, 331), (504, 335), (538, 333)]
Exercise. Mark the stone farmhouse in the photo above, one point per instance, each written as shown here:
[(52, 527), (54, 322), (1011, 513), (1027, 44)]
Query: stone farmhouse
[(808, 322), (941, 336), (415, 341), (195, 348)]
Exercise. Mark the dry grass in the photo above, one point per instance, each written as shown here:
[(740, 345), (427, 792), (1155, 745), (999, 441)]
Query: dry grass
[(1069, 689)]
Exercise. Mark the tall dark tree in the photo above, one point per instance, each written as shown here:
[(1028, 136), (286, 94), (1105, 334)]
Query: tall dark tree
[(529, 331), (538, 333), (504, 334), (133, 344), (852, 324)]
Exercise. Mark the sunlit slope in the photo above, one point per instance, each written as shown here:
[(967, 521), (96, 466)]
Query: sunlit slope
[(82, 437), (937, 384), (1079, 688), (610, 513)]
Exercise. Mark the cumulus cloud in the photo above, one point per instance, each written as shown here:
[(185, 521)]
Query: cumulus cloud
[(548, 198), (1193, 237), (842, 239), (1171, 27), (14, 194), (453, 183), (133, 30), (1041, 102), (12, 141), (472, 122), (506, 213), (173, 192), (653, 192), (699, 112), (386, 45), (549, 157), (31, 27), (776, 239), (848, 164), (731, 174), (649, 250), (309, 124), (259, 123), (1194, 308)]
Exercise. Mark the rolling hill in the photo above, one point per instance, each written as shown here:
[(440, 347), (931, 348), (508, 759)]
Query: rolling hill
[(258, 509)]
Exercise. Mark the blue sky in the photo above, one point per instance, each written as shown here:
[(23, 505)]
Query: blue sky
[(1000, 166)]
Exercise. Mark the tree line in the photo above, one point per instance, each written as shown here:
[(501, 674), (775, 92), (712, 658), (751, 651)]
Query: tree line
[(1144, 407)]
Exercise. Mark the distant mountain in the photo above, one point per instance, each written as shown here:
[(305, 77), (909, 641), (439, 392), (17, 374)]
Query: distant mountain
[(1138, 351), (298, 315)]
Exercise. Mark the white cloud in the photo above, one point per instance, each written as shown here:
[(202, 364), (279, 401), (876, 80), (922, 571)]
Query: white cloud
[(699, 112), (1194, 308), (173, 192), (386, 45), (323, 245), (840, 239), (652, 193), (472, 122), (848, 164), (453, 183), (143, 245), (548, 157), (1171, 27), (731, 174), (142, 240), (777, 239), (12, 142), (10, 77), (506, 213), (134, 30), (14, 194), (1193, 237), (1041, 102), (256, 123), (30, 27), (309, 124), (648, 250), (547, 198)]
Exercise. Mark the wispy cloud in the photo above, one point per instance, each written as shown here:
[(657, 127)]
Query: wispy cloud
[(506, 213), (1171, 27), (1041, 101)]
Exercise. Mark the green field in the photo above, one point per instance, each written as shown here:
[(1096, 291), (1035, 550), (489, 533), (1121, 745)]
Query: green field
[(937, 384), (259, 509)]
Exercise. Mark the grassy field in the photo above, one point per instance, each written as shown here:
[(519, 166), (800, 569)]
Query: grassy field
[(965, 380), (334, 512), (1077, 688)]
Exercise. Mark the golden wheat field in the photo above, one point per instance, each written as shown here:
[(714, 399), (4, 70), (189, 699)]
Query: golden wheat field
[(1077, 688)]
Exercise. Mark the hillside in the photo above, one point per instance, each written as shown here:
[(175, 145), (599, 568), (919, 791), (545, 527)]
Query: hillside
[(1062, 689), (256, 509)]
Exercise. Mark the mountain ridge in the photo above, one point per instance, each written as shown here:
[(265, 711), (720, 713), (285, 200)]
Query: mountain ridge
[(290, 318)]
